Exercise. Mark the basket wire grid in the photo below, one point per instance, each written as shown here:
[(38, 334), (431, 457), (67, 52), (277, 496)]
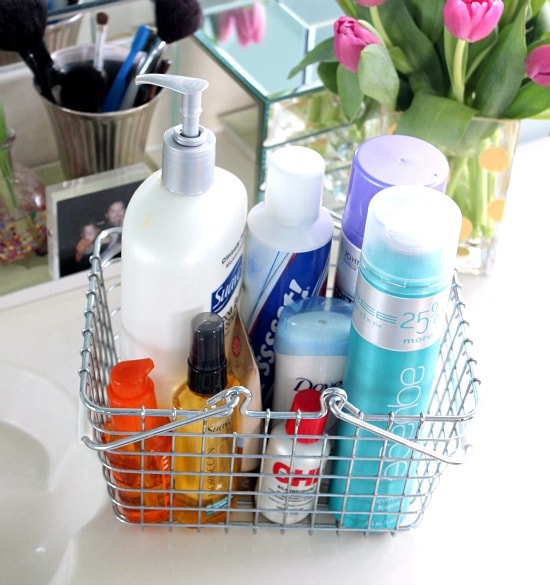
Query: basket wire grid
[(140, 471)]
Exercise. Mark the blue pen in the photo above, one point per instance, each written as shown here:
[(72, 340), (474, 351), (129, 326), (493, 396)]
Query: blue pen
[(116, 92)]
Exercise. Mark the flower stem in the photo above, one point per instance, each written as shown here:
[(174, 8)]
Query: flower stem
[(7, 187), (377, 22), (458, 79)]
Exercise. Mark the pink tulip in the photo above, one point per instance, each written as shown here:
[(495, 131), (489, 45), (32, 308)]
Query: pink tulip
[(472, 20), (250, 24), (369, 3), (538, 65), (226, 25), (350, 38)]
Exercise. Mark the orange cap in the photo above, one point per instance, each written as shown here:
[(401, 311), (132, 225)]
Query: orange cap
[(131, 387)]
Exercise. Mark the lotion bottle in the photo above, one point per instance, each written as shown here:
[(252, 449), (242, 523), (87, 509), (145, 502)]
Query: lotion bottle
[(398, 319), (287, 250), (182, 244), (203, 449), (378, 163), (293, 464)]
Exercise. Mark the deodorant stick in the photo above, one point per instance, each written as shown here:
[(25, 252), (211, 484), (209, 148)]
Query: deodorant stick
[(310, 347)]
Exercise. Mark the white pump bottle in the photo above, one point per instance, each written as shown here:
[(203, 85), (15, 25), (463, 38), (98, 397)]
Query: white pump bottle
[(182, 243)]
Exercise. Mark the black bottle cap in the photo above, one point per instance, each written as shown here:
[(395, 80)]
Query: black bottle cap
[(207, 372)]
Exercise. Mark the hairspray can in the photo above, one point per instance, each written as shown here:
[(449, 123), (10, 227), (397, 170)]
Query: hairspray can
[(378, 163), (406, 269)]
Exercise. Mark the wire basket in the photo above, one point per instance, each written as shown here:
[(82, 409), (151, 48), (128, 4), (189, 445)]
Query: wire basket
[(147, 479)]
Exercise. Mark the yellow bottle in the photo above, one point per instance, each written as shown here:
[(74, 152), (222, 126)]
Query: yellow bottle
[(203, 461)]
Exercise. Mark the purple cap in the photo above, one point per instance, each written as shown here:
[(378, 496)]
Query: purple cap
[(384, 161)]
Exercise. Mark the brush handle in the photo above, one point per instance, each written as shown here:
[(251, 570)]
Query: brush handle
[(145, 67), (101, 34), (39, 61), (116, 92)]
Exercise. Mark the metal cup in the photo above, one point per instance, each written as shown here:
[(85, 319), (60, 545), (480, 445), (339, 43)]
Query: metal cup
[(90, 143)]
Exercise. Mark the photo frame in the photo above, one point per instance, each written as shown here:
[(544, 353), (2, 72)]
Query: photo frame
[(79, 209)]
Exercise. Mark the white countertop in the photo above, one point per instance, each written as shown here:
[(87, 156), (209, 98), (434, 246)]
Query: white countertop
[(485, 522)]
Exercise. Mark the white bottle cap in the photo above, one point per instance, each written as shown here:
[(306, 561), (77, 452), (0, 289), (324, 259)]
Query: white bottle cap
[(411, 236), (294, 185)]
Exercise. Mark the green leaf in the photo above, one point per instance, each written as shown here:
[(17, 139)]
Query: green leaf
[(512, 8), (500, 76), (324, 51), (399, 60), (531, 100), (428, 16), (377, 76), (438, 120), (536, 5), (415, 45), (349, 7), (538, 27), (3, 125), (327, 74), (351, 97)]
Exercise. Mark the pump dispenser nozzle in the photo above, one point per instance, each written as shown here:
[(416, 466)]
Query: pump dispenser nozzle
[(189, 153)]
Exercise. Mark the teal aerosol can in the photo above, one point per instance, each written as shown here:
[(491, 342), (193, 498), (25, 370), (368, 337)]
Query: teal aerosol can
[(405, 274)]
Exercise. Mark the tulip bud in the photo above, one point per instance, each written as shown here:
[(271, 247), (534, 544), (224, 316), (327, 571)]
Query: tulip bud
[(250, 24), (472, 20), (350, 38), (538, 65)]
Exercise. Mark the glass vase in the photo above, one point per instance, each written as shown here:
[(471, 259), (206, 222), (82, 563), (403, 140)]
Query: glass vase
[(316, 120), (23, 228), (480, 169)]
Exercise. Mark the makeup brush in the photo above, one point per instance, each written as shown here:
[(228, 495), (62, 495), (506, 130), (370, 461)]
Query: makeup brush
[(118, 87), (22, 26), (175, 20), (101, 21), (84, 85)]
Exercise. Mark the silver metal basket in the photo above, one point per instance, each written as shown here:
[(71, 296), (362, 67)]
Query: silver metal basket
[(144, 495)]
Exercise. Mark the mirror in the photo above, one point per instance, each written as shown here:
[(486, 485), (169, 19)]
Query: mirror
[(66, 7)]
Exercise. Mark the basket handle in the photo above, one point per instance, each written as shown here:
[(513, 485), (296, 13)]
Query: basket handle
[(332, 399), (230, 398), (338, 403)]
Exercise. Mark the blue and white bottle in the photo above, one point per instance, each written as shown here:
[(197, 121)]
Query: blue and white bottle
[(406, 268), (287, 250)]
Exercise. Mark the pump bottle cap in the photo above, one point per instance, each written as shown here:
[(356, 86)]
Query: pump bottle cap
[(189, 150), (207, 371), (131, 387), (308, 400), (294, 185)]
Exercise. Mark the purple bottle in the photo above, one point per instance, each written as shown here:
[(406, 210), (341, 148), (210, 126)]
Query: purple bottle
[(380, 162)]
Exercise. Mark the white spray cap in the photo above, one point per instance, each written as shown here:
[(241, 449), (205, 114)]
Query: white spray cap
[(189, 153), (294, 185), (411, 236)]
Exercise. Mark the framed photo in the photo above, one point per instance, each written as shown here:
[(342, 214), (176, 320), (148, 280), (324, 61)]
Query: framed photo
[(79, 209)]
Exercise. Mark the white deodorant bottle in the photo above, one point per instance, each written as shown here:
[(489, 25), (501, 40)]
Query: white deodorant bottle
[(296, 454), (287, 250), (182, 244)]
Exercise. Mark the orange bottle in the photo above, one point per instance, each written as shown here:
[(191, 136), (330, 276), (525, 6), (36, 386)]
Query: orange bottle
[(141, 470)]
